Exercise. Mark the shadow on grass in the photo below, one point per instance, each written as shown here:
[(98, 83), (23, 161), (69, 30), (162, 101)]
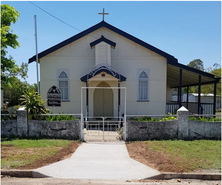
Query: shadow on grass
[(11, 138)]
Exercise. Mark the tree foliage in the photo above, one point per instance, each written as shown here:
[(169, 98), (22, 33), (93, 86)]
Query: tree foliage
[(14, 91), (9, 69), (205, 89), (210, 88), (197, 64)]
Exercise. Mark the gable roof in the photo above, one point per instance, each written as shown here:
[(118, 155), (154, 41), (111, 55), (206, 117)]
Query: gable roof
[(103, 39), (169, 58)]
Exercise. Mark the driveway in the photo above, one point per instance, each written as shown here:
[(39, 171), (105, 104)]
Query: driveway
[(98, 161)]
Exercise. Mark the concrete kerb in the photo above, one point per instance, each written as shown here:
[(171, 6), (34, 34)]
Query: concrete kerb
[(22, 174), (200, 176), (162, 176)]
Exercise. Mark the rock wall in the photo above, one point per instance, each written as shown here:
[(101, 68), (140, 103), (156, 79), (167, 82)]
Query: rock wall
[(182, 128), (151, 130), (54, 129), (40, 129), (137, 130), (9, 128), (204, 130)]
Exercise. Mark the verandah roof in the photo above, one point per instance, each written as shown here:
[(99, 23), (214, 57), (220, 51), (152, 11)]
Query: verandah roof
[(190, 76)]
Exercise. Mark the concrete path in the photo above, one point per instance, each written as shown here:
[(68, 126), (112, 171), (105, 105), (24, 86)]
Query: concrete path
[(99, 136), (99, 161)]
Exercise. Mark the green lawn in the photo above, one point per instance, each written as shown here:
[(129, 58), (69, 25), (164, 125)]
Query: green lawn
[(198, 154), (20, 152), (32, 143)]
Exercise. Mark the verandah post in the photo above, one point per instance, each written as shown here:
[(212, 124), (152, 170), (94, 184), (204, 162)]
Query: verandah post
[(87, 99), (215, 98), (119, 115), (187, 97), (199, 93), (180, 94)]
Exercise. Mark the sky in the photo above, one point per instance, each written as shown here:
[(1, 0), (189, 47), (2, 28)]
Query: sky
[(187, 30)]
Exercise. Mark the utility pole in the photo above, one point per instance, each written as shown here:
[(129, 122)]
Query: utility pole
[(36, 45)]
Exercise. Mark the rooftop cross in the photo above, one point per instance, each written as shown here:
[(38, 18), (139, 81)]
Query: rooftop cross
[(103, 14)]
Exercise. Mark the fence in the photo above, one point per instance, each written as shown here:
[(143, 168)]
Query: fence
[(181, 128), (22, 127), (205, 108)]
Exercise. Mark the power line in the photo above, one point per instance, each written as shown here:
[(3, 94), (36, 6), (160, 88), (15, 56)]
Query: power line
[(59, 19), (54, 16)]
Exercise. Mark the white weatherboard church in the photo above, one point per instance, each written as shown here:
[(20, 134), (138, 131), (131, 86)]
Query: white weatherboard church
[(105, 56)]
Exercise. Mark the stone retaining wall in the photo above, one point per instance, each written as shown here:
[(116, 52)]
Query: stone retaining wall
[(204, 130), (40, 128), (54, 129), (137, 130), (182, 128), (9, 128)]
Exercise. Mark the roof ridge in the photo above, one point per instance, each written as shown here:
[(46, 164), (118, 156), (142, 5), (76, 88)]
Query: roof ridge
[(110, 27)]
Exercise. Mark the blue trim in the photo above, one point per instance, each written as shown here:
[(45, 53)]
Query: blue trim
[(88, 76), (110, 27), (203, 83), (103, 39), (180, 89)]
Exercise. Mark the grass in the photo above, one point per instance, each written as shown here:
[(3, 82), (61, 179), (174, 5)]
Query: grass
[(21, 152), (32, 143), (198, 154)]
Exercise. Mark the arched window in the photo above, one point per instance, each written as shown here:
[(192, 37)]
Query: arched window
[(63, 85), (143, 86)]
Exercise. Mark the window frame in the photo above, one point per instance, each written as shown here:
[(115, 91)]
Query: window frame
[(139, 72), (59, 71)]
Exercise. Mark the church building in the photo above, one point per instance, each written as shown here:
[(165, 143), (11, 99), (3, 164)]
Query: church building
[(107, 57)]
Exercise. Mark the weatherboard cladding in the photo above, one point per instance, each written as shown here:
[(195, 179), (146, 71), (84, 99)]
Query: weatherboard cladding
[(112, 28)]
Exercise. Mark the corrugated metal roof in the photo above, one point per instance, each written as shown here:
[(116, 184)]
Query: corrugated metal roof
[(190, 76)]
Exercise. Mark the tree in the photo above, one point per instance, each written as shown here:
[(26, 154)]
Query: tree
[(205, 89), (9, 15), (197, 64), (210, 88), (14, 92)]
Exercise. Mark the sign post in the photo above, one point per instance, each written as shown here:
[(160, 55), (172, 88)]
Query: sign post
[(54, 97)]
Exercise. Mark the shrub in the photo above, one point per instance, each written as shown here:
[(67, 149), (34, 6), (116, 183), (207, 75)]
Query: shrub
[(60, 118), (33, 104), (199, 118), (150, 119), (120, 132)]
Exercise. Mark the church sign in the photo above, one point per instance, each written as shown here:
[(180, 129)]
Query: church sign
[(54, 97)]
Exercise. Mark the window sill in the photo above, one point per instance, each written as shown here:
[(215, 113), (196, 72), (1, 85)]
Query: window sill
[(143, 100), (65, 100)]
